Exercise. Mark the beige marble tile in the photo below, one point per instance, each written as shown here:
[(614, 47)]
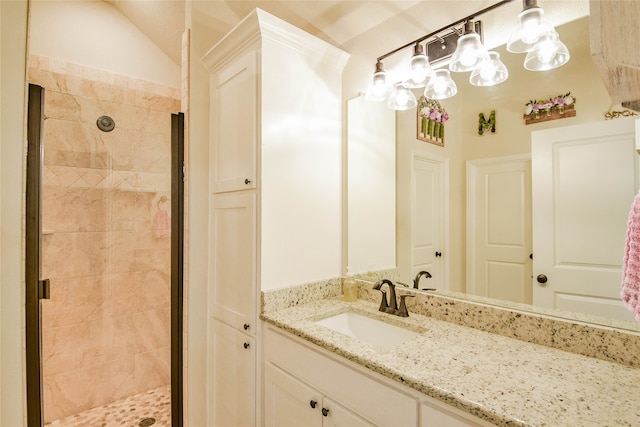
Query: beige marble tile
[(74, 301), (152, 369), (74, 209), (121, 295), (152, 329), (66, 348), (153, 290), (81, 389), (74, 137), (62, 106), (69, 255), (153, 101), (152, 153)]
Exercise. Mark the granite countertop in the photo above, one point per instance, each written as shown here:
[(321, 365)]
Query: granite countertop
[(503, 380)]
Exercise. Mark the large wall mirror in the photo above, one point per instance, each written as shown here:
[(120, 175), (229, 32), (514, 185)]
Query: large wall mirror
[(447, 171)]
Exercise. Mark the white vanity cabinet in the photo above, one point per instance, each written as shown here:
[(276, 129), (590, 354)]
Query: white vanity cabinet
[(274, 187), (290, 402), (233, 366), (234, 103), (327, 381), (233, 292), (299, 375)]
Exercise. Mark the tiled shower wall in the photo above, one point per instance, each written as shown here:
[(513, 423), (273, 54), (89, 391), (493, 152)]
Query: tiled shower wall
[(106, 246)]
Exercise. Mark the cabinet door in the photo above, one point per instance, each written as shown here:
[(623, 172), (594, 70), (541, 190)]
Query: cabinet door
[(234, 118), (233, 293), (289, 402), (335, 415), (233, 378)]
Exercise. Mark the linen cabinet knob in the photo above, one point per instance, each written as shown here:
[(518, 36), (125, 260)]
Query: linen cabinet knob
[(313, 404), (246, 345), (325, 412)]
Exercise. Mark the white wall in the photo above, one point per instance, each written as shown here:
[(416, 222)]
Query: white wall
[(95, 34), (13, 46)]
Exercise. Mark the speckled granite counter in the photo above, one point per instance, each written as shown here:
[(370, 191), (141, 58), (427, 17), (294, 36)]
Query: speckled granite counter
[(502, 380)]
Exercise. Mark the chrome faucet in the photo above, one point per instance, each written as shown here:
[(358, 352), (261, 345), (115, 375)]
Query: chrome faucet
[(392, 306), (416, 281)]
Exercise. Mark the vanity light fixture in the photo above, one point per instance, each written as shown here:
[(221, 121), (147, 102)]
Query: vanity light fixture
[(441, 85), (533, 35), (401, 98), (419, 69), (489, 72), (548, 53), (379, 88), (531, 27), (469, 51)]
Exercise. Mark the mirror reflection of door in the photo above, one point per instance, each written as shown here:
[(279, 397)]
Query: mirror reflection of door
[(580, 258), (429, 221), (499, 228)]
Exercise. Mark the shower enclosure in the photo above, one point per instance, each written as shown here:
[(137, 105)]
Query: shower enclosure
[(107, 209)]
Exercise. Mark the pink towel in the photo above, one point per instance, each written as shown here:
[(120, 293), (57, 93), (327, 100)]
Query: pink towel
[(631, 263), (163, 223)]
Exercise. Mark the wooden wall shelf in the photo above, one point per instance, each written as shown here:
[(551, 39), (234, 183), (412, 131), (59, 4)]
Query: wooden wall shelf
[(569, 111)]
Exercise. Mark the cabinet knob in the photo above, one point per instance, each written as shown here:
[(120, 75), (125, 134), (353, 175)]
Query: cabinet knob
[(438, 254), (325, 412), (247, 181), (246, 345), (246, 326), (313, 404)]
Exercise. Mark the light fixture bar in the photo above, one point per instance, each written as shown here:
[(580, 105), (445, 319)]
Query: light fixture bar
[(458, 22)]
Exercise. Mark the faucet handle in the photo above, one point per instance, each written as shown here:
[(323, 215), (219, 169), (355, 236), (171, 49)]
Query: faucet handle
[(383, 303), (402, 311)]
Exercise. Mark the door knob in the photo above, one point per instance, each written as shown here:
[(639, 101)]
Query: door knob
[(542, 279)]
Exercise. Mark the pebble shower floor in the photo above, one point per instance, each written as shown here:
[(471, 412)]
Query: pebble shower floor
[(134, 411)]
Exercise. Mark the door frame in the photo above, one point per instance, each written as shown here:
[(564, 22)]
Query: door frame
[(177, 269), (35, 289), (33, 228)]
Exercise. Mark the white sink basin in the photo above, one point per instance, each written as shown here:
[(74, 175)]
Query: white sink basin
[(366, 329)]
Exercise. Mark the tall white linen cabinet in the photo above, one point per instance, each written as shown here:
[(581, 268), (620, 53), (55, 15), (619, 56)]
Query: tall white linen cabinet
[(275, 191)]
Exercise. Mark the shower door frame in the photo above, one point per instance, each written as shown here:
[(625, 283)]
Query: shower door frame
[(37, 289)]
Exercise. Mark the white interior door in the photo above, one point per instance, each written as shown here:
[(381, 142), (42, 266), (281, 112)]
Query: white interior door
[(499, 228), (429, 220), (584, 180)]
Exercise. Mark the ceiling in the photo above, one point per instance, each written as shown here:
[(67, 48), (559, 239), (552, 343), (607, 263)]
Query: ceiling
[(338, 22)]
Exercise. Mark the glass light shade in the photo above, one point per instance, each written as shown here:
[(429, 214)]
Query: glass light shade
[(469, 52), (441, 85), (531, 27), (378, 90), (419, 69), (402, 99), (548, 53), (489, 72)]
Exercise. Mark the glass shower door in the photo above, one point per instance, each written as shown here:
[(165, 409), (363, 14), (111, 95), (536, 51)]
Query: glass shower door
[(106, 248)]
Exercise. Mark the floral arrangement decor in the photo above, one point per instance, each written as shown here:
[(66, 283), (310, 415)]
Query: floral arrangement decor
[(549, 109), (484, 124), (431, 119)]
